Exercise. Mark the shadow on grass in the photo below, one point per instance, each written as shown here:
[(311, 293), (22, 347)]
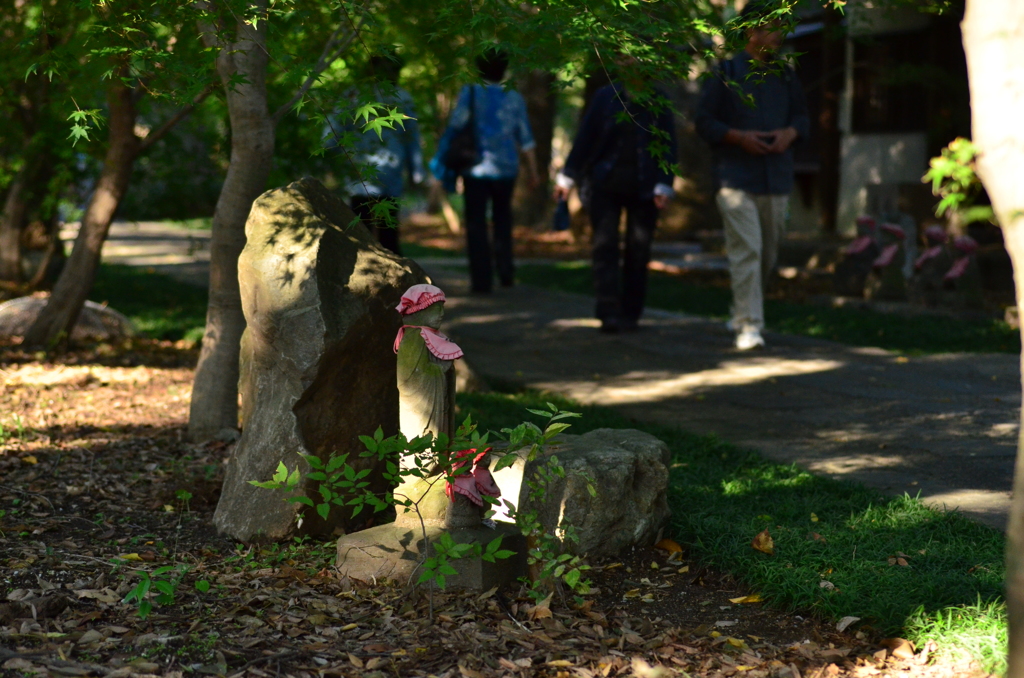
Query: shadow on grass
[(160, 306), (859, 327), (838, 545)]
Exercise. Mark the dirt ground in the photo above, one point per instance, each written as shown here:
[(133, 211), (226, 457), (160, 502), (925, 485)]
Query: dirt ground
[(101, 493)]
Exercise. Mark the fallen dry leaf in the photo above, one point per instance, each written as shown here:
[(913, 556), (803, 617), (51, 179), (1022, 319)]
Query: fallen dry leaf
[(901, 648), (668, 545), (752, 598), (469, 673), (764, 543), (642, 669), (845, 622), (541, 610)]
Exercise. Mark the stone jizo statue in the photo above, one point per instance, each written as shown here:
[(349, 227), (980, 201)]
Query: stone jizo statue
[(426, 360), (886, 281), (426, 397)]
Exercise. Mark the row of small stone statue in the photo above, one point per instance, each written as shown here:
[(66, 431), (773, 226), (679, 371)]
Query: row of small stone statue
[(874, 266)]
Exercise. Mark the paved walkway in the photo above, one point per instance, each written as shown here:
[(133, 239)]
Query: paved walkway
[(179, 252), (944, 426)]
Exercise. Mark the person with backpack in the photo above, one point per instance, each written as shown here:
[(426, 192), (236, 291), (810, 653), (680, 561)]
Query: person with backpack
[(751, 111), (486, 134), (614, 168), (388, 159)]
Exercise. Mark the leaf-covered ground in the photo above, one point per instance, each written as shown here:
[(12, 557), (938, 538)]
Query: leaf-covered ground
[(98, 486)]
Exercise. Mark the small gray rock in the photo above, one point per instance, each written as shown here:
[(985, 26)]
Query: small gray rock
[(629, 473), (95, 323)]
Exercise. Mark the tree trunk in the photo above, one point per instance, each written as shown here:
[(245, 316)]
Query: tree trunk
[(24, 199), (11, 221), (69, 294), (832, 58), (993, 35), (537, 88), (215, 390)]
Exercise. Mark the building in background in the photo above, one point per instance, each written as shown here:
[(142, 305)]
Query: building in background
[(886, 90)]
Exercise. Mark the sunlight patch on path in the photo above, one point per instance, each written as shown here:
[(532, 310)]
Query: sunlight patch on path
[(651, 386)]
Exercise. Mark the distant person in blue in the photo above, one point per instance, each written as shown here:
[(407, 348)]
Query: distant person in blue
[(502, 133), (753, 147), (390, 158), (612, 164)]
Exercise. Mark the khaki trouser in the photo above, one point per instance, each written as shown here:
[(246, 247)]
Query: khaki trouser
[(754, 224)]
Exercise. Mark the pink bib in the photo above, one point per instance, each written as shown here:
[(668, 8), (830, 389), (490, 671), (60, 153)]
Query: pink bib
[(929, 253), (886, 257), (439, 345), (958, 269), (860, 244)]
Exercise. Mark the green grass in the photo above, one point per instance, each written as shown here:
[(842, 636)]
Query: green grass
[(417, 251), (722, 496), (197, 224), (160, 306), (859, 327)]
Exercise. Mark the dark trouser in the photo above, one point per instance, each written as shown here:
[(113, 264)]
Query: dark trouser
[(478, 243), (387, 236), (621, 295)]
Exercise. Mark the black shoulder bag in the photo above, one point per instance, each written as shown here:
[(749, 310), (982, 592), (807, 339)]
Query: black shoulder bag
[(462, 151)]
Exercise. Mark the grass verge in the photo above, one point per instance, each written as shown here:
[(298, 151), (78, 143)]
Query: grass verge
[(860, 327), (160, 306), (836, 543), (417, 251)]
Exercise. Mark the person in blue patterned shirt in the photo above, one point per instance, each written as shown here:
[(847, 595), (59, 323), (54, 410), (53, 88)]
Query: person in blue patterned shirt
[(389, 159), (502, 132)]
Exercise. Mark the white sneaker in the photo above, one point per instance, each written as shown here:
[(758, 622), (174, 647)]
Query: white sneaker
[(748, 338)]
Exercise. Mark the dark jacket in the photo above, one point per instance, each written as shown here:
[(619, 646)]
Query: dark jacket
[(595, 151), (778, 103)]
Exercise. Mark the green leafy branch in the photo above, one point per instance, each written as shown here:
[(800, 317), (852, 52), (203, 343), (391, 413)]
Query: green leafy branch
[(162, 581), (380, 121), (954, 179), (82, 121)]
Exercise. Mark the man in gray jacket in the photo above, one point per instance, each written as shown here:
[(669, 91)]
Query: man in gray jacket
[(752, 110)]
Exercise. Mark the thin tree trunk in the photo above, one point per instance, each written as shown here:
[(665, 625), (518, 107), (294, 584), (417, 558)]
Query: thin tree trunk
[(993, 35), (537, 88), (24, 200), (832, 57), (53, 245), (11, 221), (215, 388), (59, 315)]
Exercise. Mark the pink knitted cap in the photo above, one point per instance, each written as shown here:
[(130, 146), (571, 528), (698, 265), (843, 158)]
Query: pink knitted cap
[(419, 297), (936, 234), (966, 244)]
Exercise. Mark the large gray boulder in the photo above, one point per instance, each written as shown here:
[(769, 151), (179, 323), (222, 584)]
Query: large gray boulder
[(95, 323), (317, 364), (629, 472)]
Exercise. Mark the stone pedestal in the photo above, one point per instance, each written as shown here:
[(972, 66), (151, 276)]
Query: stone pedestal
[(394, 552)]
